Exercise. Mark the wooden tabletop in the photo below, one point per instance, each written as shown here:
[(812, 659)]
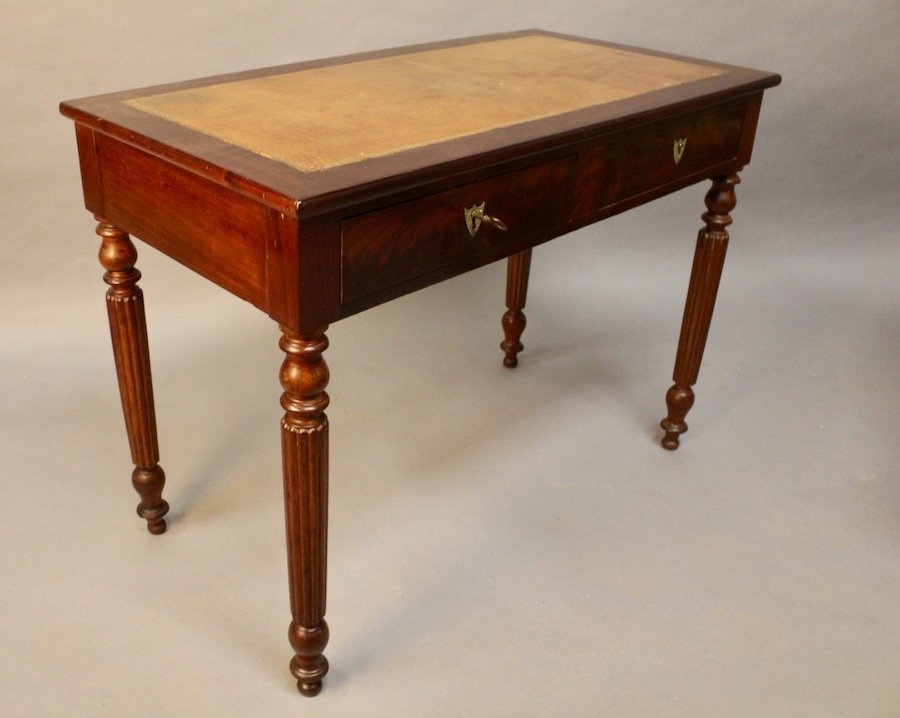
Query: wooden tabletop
[(318, 118), (319, 190), (307, 133)]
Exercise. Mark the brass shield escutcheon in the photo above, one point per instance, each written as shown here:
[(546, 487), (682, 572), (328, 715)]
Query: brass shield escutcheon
[(473, 218)]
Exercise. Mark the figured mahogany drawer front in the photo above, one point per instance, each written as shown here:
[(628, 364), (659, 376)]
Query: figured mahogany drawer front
[(656, 155), (395, 244)]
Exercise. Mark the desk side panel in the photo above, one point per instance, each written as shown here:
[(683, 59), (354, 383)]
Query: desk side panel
[(218, 233)]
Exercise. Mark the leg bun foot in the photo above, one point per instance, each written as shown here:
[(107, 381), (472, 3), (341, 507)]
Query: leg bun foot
[(309, 689), (670, 441)]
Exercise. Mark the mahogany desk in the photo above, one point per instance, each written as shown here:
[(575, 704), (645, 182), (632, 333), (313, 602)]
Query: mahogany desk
[(320, 189)]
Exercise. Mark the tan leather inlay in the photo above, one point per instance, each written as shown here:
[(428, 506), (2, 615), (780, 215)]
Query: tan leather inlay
[(330, 116)]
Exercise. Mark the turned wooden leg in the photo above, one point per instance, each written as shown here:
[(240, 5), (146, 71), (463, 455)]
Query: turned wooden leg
[(125, 305), (514, 320), (701, 298), (304, 448)]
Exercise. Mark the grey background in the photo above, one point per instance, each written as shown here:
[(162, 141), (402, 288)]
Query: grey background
[(501, 543)]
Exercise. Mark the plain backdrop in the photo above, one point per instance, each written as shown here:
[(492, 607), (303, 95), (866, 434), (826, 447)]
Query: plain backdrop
[(502, 543)]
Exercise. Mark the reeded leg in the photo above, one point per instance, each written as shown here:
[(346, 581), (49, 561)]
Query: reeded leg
[(705, 274), (514, 320), (304, 448), (125, 305)]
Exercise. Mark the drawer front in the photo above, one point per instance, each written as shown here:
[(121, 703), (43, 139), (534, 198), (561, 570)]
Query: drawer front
[(656, 155), (393, 245)]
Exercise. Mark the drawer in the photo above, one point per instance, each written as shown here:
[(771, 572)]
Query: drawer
[(393, 245), (654, 156)]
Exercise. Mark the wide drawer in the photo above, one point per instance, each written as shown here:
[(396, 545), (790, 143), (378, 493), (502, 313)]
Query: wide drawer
[(393, 245), (654, 158)]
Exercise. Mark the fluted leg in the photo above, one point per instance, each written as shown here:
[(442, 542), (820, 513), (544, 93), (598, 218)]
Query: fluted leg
[(125, 305), (707, 270), (514, 319), (304, 445)]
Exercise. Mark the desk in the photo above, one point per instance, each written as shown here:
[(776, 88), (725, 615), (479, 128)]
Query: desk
[(320, 189)]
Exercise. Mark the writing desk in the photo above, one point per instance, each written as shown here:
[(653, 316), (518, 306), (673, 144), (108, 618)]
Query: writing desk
[(320, 189)]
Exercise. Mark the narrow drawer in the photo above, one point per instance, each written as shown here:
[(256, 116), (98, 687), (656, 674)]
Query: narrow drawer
[(655, 156), (389, 246)]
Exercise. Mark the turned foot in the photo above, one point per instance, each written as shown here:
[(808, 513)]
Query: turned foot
[(514, 319), (709, 258), (149, 485), (679, 400), (309, 666), (513, 325)]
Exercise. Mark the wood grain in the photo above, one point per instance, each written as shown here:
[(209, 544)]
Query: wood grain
[(639, 160), (288, 189), (217, 233), (709, 258), (513, 321), (315, 222), (398, 243), (304, 444), (128, 329), (390, 251)]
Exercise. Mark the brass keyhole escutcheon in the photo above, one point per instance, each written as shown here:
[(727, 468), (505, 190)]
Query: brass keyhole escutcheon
[(475, 216), (678, 149)]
